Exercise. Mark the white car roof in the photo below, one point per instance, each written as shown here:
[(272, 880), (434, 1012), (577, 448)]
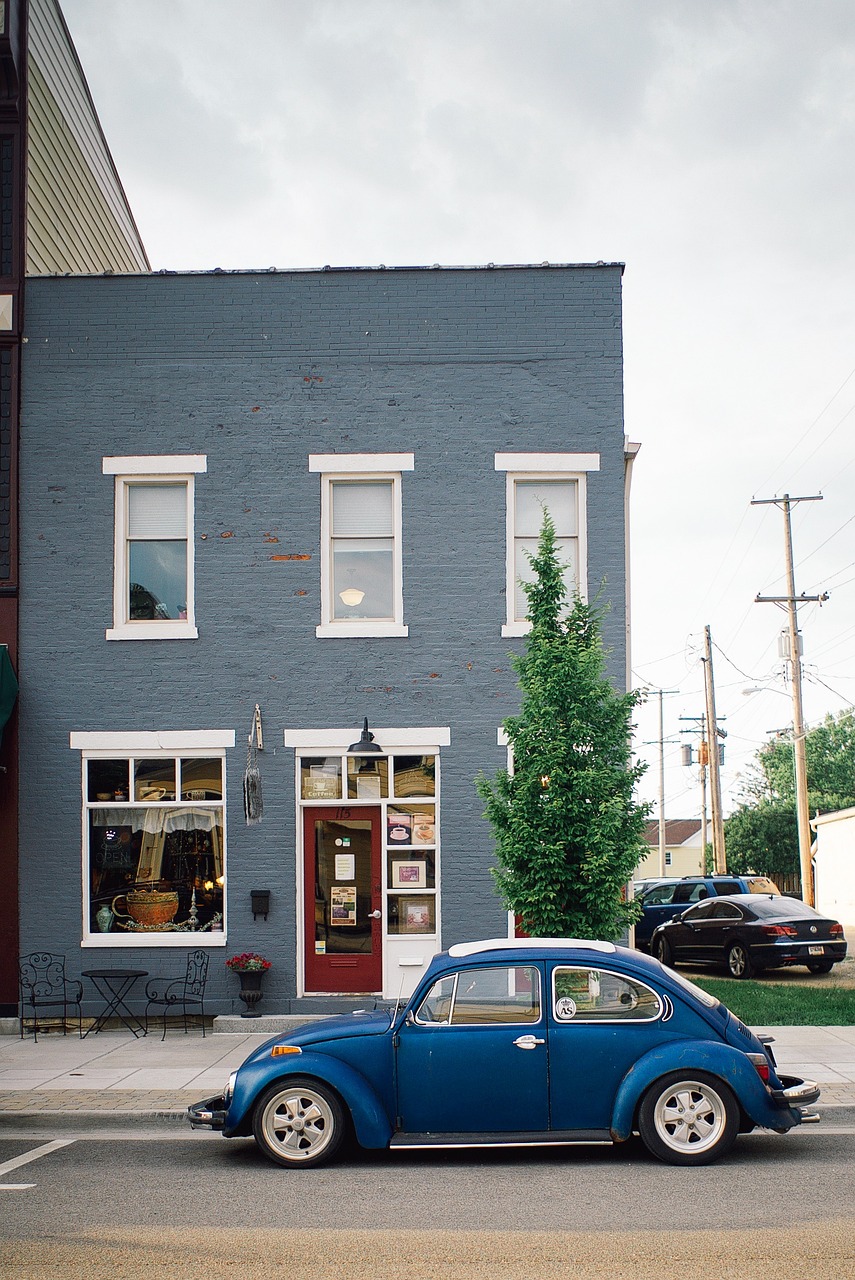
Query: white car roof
[(515, 944)]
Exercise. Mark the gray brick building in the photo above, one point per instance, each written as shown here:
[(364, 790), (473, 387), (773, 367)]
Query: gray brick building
[(309, 492)]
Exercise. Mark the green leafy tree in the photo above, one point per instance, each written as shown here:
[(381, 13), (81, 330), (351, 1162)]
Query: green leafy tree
[(762, 834), (568, 833), (763, 838)]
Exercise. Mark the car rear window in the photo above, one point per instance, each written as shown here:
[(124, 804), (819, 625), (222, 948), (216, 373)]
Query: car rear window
[(782, 908), (761, 884)]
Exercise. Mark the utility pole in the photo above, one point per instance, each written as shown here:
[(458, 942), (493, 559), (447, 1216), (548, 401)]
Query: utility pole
[(719, 855), (661, 694), (792, 601), (703, 762)]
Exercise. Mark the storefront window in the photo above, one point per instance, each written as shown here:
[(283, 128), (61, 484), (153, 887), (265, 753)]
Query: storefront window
[(156, 864)]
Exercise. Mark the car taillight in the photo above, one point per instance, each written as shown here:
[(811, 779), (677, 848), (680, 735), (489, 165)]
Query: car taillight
[(836, 931), (761, 1065), (780, 931)]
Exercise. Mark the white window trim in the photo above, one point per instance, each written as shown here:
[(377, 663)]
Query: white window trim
[(152, 468), (95, 745), (537, 466), (359, 470), (402, 952)]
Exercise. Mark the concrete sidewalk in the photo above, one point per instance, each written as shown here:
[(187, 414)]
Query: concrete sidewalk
[(111, 1076)]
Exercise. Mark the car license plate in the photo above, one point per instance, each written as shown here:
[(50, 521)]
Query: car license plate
[(816, 951)]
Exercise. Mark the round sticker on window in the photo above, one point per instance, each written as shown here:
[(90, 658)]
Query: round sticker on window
[(565, 1007)]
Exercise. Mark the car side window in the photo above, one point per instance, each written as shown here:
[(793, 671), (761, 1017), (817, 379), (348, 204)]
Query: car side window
[(596, 995), (727, 911), (702, 911), (659, 896), (505, 995), (728, 886)]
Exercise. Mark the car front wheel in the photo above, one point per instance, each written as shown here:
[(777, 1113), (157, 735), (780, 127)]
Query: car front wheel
[(739, 961), (688, 1119), (299, 1123), (663, 951)]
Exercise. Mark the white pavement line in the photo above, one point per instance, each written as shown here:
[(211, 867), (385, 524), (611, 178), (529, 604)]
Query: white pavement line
[(35, 1154)]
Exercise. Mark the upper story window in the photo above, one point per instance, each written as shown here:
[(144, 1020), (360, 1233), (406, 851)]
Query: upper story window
[(153, 581), (361, 575), (555, 482)]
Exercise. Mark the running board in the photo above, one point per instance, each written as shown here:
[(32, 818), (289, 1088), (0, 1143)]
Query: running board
[(557, 1137)]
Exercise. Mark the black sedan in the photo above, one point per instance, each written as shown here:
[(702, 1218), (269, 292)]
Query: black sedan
[(749, 932)]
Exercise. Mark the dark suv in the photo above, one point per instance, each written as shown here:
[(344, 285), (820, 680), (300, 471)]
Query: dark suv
[(667, 898)]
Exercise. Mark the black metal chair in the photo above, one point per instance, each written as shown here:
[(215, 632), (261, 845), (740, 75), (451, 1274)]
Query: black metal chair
[(43, 986), (186, 993)]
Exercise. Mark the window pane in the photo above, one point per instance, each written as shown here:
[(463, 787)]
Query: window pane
[(411, 868), (362, 578), (107, 780), (497, 996), (155, 869), (202, 779), (409, 914), (415, 775), (362, 510), (154, 780), (567, 551), (367, 777), (559, 499), (591, 995), (157, 511), (436, 1006), (157, 577), (320, 778)]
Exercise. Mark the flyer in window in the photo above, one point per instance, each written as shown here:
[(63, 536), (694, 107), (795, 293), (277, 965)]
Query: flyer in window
[(399, 828), (424, 830), (343, 904)]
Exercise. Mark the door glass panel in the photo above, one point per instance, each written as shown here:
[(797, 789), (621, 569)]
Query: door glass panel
[(343, 886), (497, 996)]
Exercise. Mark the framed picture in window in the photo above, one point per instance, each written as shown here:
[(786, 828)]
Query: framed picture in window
[(408, 875)]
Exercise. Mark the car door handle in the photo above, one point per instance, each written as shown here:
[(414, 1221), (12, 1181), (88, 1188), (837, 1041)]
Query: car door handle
[(528, 1042)]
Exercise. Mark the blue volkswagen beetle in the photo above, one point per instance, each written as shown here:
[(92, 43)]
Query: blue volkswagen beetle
[(515, 1042)]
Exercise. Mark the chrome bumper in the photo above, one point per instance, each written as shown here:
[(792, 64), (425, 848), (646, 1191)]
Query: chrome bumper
[(796, 1093), (210, 1113)]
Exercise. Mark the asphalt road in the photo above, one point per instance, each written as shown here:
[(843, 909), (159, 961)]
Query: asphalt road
[(145, 1205)]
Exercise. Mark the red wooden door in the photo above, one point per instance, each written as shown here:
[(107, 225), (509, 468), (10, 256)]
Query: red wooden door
[(343, 899)]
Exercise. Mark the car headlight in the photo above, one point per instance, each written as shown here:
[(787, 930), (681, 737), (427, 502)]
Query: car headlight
[(230, 1088)]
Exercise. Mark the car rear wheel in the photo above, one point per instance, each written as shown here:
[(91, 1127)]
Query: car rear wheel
[(688, 1119), (739, 961), (299, 1123), (821, 966), (663, 951)]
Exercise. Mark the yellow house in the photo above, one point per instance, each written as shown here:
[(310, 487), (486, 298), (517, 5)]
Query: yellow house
[(684, 853)]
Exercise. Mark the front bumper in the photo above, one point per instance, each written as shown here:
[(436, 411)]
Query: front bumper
[(210, 1113)]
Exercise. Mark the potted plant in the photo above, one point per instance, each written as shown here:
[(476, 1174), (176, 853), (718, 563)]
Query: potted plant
[(250, 968)]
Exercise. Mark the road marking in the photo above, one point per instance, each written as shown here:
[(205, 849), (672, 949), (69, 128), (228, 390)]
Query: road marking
[(26, 1158)]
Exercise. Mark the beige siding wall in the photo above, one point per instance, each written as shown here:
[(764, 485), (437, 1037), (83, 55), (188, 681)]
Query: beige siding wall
[(78, 218)]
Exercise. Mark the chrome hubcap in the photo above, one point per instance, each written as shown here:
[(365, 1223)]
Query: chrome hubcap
[(689, 1117), (300, 1125)]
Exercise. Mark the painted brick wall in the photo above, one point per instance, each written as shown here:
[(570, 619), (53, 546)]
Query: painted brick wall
[(257, 371)]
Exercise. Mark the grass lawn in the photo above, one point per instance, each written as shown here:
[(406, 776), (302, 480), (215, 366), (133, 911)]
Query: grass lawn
[(780, 1003)]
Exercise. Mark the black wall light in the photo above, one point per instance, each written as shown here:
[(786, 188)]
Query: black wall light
[(260, 902)]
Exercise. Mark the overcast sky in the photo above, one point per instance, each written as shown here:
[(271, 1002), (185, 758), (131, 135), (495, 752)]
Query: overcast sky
[(708, 144)]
